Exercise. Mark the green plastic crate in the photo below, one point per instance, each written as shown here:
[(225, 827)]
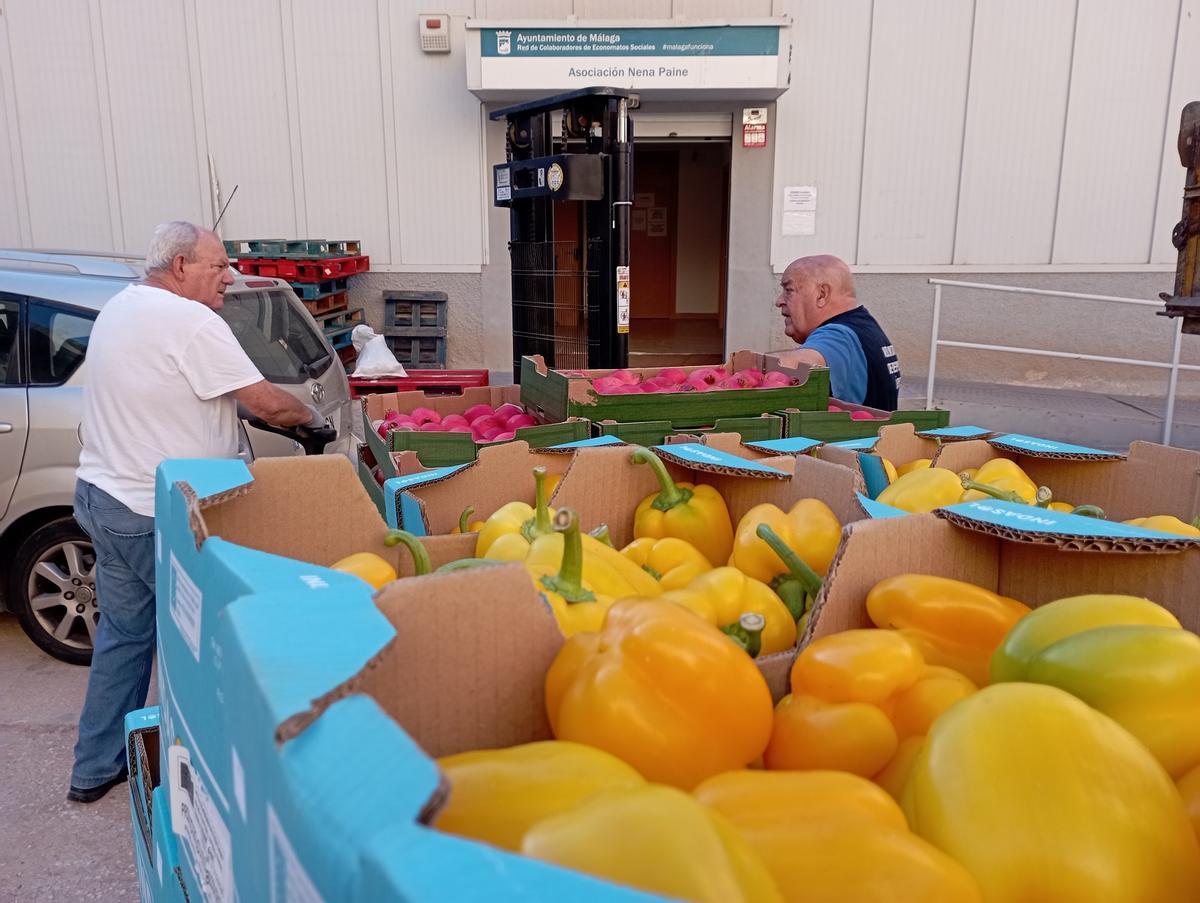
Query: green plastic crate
[(836, 426), (656, 432), (558, 395)]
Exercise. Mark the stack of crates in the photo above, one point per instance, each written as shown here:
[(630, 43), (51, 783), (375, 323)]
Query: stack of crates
[(318, 271), (415, 328)]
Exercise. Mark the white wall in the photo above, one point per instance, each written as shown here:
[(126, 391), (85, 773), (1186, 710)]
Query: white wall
[(1021, 133), (1017, 134), (329, 119)]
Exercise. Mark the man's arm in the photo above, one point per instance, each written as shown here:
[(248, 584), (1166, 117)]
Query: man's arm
[(793, 356), (268, 401)]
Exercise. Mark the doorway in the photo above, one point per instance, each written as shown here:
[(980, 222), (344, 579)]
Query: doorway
[(678, 253)]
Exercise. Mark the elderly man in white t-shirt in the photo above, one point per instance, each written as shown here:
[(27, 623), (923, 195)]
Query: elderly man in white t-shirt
[(165, 376)]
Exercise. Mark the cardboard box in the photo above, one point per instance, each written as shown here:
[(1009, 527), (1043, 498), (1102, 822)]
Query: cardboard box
[(440, 449), (155, 854), (656, 432), (832, 426), (559, 394), (899, 443), (1008, 554), (227, 532), (1149, 479), (429, 501)]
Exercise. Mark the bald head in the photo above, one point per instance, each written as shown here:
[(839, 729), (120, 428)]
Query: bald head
[(814, 289)]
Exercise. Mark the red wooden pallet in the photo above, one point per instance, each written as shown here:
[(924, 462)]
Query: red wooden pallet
[(304, 270)]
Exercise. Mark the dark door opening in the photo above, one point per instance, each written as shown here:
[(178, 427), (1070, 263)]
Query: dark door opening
[(679, 252)]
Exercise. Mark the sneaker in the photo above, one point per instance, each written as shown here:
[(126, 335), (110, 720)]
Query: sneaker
[(91, 794)]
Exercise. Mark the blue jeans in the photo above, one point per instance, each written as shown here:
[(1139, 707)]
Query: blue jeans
[(123, 655)]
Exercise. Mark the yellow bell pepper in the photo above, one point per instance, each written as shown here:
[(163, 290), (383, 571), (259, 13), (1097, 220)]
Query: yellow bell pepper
[(509, 532), (809, 528), (673, 562), (556, 564), (895, 774), (1000, 478), (657, 839), (918, 464), (952, 623), (1145, 678), (832, 836), (722, 595), (367, 566), (837, 715), (1040, 797), (923, 490), (914, 710), (696, 513), (889, 469), (663, 690), (1065, 617), (496, 795), (1189, 788), (1166, 523), (465, 524)]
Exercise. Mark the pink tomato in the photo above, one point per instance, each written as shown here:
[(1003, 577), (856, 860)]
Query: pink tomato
[(475, 411), (628, 377), (675, 376), (425, 415), (519, 421), (776, 380), (861, 415), (483, 424), (430, 427), (508, 409), (503, 437), (607, 385)]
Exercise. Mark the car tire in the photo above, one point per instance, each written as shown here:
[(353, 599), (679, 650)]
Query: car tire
[(52, 590)]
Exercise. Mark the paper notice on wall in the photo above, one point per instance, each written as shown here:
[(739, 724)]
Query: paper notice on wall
[(799, 210), (637, 221)]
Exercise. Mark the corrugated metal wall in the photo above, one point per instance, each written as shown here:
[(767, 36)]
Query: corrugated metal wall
[(1001, 133)]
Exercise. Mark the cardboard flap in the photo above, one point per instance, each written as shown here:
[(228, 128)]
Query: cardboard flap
[(1027, 523), (600, 482), (865, 444), (798, 445), (480, 684), (707, 459), (1016, 443), (957, 433), (593, 442)]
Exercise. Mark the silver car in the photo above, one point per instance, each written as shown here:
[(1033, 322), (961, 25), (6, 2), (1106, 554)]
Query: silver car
[(48, 303)]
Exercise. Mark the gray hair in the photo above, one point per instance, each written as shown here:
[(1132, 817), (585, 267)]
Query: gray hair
[(169, 241)]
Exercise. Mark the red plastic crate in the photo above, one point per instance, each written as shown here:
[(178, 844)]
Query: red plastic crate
[(431, 382)]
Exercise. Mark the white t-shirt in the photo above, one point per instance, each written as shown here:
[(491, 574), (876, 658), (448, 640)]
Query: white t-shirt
[(158, 372)]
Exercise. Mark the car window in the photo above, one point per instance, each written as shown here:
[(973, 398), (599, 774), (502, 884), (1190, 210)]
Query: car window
[(58, 338), (10, 313), (276, 335)]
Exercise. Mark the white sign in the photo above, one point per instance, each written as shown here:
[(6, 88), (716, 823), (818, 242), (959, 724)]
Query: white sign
[(799, 210), (729, 57)]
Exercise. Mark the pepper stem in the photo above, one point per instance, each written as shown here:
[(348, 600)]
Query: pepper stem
[(1044, 497), (539, 524), (798, 568), (602, 534), (464, 564), (464, 519), (421, 562), (746, 631), (1004, 495), (670, 494), (1088, 511), (568, 582)]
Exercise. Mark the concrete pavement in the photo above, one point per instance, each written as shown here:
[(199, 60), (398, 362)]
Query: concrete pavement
[(52, 850)]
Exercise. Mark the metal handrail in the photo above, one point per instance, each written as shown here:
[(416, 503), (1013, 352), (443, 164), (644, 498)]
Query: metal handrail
[(935, 341)]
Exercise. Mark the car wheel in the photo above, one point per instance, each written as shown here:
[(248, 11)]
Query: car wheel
[(52, 590)]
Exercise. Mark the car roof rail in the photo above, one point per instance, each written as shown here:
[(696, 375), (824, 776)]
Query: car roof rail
[(84, 263)]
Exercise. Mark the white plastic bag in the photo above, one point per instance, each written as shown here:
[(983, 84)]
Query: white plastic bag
[(375, 358)]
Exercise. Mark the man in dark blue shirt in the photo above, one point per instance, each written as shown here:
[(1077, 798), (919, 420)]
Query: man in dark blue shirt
[(821, 312)]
